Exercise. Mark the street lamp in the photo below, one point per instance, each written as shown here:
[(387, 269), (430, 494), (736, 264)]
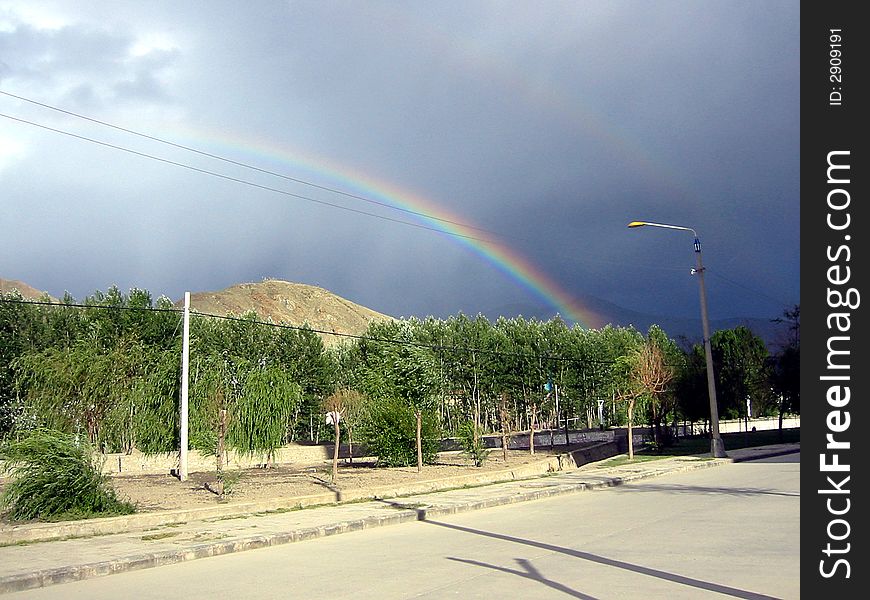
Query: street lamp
[(717, 447)]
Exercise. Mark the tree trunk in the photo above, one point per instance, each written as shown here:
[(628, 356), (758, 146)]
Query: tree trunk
[(221, 446), (419, 441), (630, 433), (781, 412), (567, 441), (502, 409), (476, 423), (532, 430), (335, 450)]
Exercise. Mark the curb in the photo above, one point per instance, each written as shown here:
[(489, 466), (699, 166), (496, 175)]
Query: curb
[(405, 514), (47, 532)]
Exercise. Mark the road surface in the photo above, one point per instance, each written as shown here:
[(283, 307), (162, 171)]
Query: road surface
[(730, 531)]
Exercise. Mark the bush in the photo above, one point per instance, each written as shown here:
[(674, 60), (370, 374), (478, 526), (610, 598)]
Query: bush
[(389, 431), (55, 477), (472, 449)]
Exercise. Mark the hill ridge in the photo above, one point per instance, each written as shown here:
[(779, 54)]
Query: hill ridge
[(289, 303)]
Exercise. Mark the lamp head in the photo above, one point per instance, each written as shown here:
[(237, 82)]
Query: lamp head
[(637, 224)]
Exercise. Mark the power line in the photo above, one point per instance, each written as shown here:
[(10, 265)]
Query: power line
[(749, 289), (245, 165), (433, 347), (243, 181), (582, 259), (4, 300)]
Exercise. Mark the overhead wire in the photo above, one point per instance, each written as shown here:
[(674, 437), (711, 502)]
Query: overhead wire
[(747, 288), (430, 217), (245, 165), (359, 337), (242, 181)]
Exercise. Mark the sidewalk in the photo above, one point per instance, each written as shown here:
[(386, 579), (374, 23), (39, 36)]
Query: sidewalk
[(141, 546)]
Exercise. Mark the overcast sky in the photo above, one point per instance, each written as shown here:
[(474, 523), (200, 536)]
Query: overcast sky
[(540, 127)]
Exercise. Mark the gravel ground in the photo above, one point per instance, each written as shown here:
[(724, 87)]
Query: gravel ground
[(166, 492)]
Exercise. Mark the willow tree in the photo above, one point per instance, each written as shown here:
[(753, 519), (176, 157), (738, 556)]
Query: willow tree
[(86, 389), (264, 410), (240, 406)]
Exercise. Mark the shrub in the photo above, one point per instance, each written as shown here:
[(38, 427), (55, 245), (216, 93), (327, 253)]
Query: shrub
[(56, 477), (389, 431), (472, 449)]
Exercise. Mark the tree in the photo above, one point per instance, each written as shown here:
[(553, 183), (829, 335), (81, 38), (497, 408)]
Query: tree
[(338, 406), (645, 376), (504, 421), (86, 389), (662, 403), (740, 357), (399, 370), (690, 386), (785, 367), (414, 380)]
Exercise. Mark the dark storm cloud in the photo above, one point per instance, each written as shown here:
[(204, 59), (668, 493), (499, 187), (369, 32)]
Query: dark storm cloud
[(551, 125)]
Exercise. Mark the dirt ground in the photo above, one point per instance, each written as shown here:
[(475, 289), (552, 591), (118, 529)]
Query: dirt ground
[(166, 492)]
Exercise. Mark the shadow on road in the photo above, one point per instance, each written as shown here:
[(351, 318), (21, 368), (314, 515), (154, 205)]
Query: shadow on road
[(530, 572), (602, 560)]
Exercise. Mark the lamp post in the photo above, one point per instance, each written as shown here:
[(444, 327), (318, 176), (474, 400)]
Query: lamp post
[(717, 447)]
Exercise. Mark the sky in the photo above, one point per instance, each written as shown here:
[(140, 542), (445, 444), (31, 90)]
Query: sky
[(419, 158)]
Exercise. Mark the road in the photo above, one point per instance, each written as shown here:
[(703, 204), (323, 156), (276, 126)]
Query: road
[(729, 531)]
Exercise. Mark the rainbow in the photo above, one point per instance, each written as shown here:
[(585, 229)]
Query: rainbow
[(426, 212)]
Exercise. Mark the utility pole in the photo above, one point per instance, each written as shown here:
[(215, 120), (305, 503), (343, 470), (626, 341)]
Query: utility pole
[(185, 373), (717, 447)]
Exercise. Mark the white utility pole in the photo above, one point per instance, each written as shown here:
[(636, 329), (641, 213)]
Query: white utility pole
[(185, 371)]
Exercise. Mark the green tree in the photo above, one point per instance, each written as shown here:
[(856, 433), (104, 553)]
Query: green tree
[(690, 386), (785, 367), (646, 377), (664, 402), (740, 358), (414, 380)]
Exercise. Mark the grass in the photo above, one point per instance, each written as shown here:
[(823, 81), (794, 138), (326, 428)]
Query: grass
[(733, 441), (691, 446), (619, 461)]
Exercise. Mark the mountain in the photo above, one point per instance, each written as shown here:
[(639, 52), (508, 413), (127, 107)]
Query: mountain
[(27, 292), (675, 327), (290, 303)]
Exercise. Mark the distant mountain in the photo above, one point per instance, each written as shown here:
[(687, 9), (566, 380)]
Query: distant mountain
[(290, 303), (676, 327), (684, 327), (27, 292)]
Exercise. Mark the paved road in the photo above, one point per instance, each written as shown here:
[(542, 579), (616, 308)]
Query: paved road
[(731, 531)]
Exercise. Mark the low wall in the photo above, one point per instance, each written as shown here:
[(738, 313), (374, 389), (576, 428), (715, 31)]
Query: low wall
[(138, 463), (738, 425)]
